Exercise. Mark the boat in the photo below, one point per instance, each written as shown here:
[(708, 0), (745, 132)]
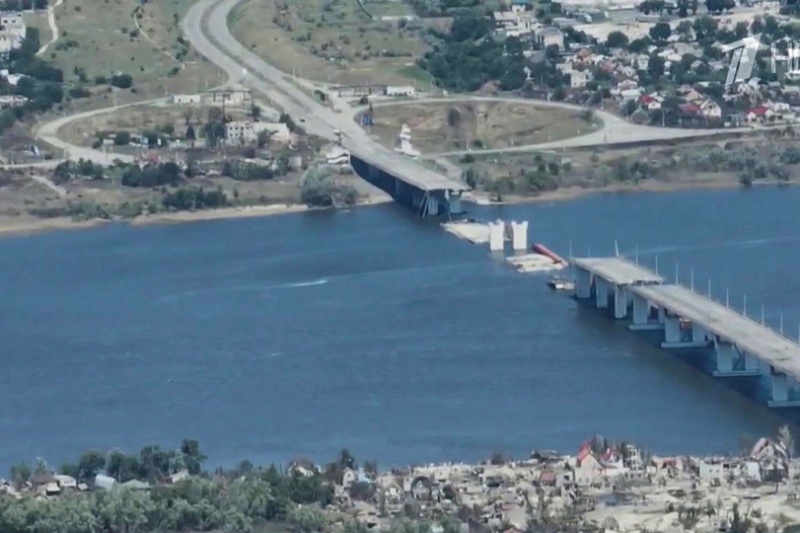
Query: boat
[(560, 283)]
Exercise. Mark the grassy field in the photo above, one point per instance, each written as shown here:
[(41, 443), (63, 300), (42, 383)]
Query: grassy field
[(103, 37), (333, 40), (453, 126)]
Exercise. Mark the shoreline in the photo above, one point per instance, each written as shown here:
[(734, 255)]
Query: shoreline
[(13, 226), (576, 192)]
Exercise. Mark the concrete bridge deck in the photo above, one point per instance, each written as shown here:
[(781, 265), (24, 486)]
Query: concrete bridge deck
[(618, 270), (755, 338)]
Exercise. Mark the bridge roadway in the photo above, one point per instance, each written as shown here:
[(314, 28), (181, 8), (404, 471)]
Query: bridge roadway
[(206, 27), (727, 324)]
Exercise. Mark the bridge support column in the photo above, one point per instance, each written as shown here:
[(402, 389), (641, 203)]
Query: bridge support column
[(583, 283), (621, 300), (454, 202), (732, 361), (641, 315), (780, 388), (601, 292)]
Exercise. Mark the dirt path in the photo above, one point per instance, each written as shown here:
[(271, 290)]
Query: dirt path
[(51, 21), (61, 191)]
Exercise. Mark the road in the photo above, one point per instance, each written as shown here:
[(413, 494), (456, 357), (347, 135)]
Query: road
[(615, 130), (51, 21), (206, 27)]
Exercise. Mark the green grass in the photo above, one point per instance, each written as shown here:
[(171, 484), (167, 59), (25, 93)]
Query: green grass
[(331, 40)]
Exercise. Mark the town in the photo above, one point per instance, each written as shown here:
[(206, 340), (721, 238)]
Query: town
[(605, 486)]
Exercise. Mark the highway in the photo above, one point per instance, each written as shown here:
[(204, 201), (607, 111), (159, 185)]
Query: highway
[(206, 27)]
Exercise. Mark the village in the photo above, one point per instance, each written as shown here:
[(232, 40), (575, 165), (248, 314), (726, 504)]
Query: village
[(666, 68), (604, 487)]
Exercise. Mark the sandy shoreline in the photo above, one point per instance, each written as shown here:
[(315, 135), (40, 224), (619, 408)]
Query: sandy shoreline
[(22, 225)]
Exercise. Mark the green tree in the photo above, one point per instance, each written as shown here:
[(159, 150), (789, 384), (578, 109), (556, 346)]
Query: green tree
[(192, 456), (89, 465)]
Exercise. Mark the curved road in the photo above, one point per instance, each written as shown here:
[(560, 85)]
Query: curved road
[(51, 21), (615, 129), (205, 25)]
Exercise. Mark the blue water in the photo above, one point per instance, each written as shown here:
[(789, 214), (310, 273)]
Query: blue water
[(298, 335)]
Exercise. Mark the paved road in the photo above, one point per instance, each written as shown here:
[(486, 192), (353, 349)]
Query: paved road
[(206, 27), (615, 130)]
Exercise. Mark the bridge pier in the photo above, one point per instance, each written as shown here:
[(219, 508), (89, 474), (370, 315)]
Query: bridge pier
[(679, 333), (780, 390), (641, 315), (621, 302), (733, 361), (601, 292), (583, 283)]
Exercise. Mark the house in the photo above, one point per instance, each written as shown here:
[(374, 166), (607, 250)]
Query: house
[(709, 109), (66, 482), (230, 96), (186, 99), (302, 468), (550, 37), (579, 78), (104, 482), (650, 102), (13, 24), (587, 468), (245, 131), (757, 114)]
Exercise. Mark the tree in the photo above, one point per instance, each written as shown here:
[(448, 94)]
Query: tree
[(660, 32), (192, 456), (617, 39), (122, 138), (655, 66), (786, 440), (306, 520), (89, 465)]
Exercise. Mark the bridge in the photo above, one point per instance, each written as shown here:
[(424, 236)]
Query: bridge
[(742, 346), (408, 182)]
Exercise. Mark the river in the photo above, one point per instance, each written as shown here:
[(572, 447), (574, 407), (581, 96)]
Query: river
[(298, 335)]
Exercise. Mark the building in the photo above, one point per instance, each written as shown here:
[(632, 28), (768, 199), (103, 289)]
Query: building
[(234, 97), (405, 90), (12, 23), (579, 78), (187, 99), (550, 37), (520, 6), (245, 131)]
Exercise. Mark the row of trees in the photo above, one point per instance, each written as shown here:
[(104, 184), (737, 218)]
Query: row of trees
[(231, 500)]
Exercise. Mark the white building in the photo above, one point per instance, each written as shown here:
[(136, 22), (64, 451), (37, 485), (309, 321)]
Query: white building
[(579, 78), (186, 99), (12, 23), (550, 37), (405, 90), (245, 131)]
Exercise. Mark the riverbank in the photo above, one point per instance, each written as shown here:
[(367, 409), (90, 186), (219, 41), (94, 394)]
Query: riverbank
[(24, 225), (650, 186)]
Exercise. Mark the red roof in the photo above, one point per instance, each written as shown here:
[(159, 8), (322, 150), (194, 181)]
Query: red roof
[(584, 453), (689, 109), (646, 99), (758, 111)]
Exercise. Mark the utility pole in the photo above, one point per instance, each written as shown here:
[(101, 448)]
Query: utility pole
[(727, 297), (745, 305)]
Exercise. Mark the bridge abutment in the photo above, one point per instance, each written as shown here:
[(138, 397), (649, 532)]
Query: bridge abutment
[(583, 283)]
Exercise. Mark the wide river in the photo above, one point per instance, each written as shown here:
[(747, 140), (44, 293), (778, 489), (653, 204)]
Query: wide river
[(299, 335)]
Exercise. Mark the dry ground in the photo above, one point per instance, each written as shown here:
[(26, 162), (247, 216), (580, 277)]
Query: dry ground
[(453, 126), (138, 119), (333, 40), (101, 37)]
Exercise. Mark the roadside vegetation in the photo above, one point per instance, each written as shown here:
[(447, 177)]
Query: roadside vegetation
[(744, 163)]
